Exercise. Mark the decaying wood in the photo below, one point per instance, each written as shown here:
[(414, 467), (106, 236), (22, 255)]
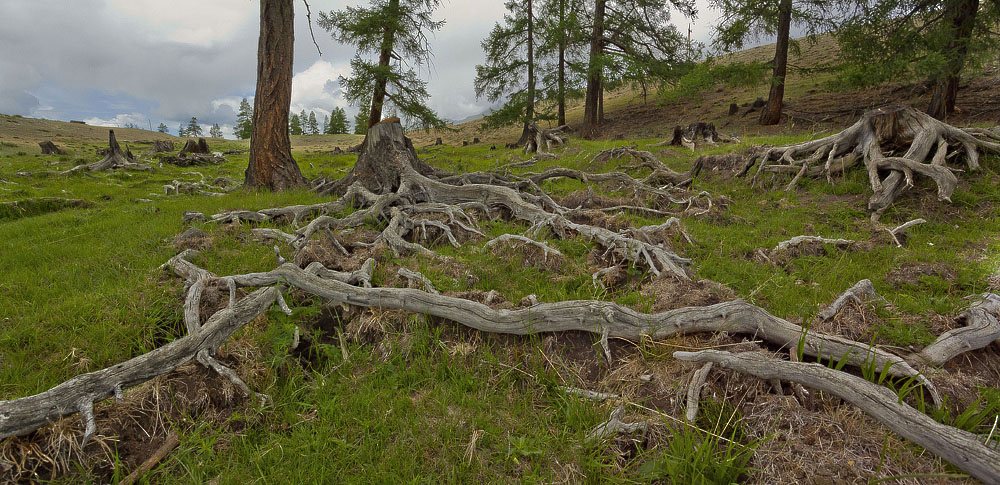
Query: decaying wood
[(162, 146), (981, 329), (799, 240), (194, 147), (588, 394), (512, 239), (694, 391), (958, 447), (695, 133), (898, 233), (115, 158), (49, 148), (172, 441), (861, 289), (614, 425), (872, 140), (539, 138)]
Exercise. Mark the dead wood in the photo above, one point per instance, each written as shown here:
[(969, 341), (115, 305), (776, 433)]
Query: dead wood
[(162, 146), (194, 147), (861, 289), (981, 329), (614, 426), (171, 442), (695, 133), (925, 145), (115, 158), (661, 175), (694, 391), (49, 148), (192, 159), (538, 138), (958, 447)]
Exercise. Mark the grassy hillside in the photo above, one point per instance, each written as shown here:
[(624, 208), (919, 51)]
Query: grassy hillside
[(383, 396)]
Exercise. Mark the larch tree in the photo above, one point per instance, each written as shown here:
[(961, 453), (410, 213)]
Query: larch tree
[(294, 125), (509, 71), (215, 131), (634, 33), (162, 128), (181, 132), (338, 121), (271, 164), (313, 125), (561, 44), (193, 127), (932, 40), (746, 21), (395, 30)]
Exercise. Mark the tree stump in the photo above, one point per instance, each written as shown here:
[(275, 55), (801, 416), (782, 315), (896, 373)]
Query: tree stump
[(115, 158), (695, 133), (49, 148), (539, 138), (385, 154), (162, 146), (733, 109), (201, 146), (438, 141)]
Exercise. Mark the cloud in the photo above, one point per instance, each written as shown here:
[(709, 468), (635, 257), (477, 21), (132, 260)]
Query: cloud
[(317, 88)]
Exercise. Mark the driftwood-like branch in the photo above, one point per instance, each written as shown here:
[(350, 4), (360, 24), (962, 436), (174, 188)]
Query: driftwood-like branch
[(860, 289), (171, 442), (614, 425), (694, 391), (799, 240), (511, 239), (419, 278), (588, 394), (958, 447), (900, 230), (981, 329)]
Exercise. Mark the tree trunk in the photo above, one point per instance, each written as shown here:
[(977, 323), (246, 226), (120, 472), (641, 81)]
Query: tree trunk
[(385, 154), (600, 105), (562, 64), (772, 112), (529, 109), (271, 162), (946, 90), (590, 114), (384, 57)]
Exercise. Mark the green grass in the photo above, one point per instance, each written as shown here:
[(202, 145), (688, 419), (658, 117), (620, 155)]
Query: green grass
[(82, 291)]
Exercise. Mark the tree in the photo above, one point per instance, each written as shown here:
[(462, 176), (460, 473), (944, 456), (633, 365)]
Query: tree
[(396, 30), (560, 27), (271, 163), (295, 125), (244, 121), (326, 124), (933, 40), (181, 132), (361, 122), (162, 128), (215, 131), (748, 20), (193, 128), (509, 70), (313, 126), (339, 122), (634, 38)]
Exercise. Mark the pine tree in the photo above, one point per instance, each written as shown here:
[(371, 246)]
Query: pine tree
[(181, 132), (313, 125), (394, 29), (509, 70), (244, 121), (162, 128), (361, 121), (215, 131), (326, 125), (193, 128), (339, 122), (295, 125)]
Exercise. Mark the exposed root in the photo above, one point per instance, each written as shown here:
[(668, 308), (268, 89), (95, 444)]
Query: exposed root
[(696, 133), (510, 239), (960, 448), (981, 329), (799, 240), (871, 141), (898, 233), (418, 278), (588, 394), (694, 391), (614, 426), (538, 138), (860, 289)]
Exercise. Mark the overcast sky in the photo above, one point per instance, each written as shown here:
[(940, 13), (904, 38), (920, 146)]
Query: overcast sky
[(111, 62)]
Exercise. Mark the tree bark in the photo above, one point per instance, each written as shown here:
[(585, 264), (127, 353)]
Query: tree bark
[(945, 91), (271, 162), (384, 57), (771, 115), (562, 64), (590, 109), (529, 109)]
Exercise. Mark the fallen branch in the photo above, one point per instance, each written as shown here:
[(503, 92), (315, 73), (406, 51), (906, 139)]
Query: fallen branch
[(614, 425), (900, 230), (799, 240), (958, 447), (171, 442), (981, 329), (694, 391), (860, 289)]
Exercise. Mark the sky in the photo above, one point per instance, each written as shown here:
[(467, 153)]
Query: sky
[(146, 62)]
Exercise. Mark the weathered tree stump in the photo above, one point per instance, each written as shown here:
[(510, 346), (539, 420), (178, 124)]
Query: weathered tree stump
[(201, 146), (733, 109), (162, 146), (438, 141), (49, 148), (891, 128), (115, 158), (695, 133), (539, 138)]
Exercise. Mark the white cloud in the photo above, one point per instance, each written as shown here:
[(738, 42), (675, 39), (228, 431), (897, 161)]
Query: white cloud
[(318, 89), (186, 21), (120, 120)]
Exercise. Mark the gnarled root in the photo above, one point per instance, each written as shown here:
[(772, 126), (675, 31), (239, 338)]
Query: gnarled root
[(960, 448), (924, 141)]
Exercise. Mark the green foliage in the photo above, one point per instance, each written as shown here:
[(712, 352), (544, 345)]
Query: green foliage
[(393, 29), (193, 128), (313, 125), (162, 128), (181, 132), (294, 125), (215, 131), (361, 120), (509, 69), (705, 76), (901, 40), (244, 121), (339, 123)]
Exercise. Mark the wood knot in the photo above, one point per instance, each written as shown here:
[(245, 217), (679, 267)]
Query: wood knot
[(391, 119)]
